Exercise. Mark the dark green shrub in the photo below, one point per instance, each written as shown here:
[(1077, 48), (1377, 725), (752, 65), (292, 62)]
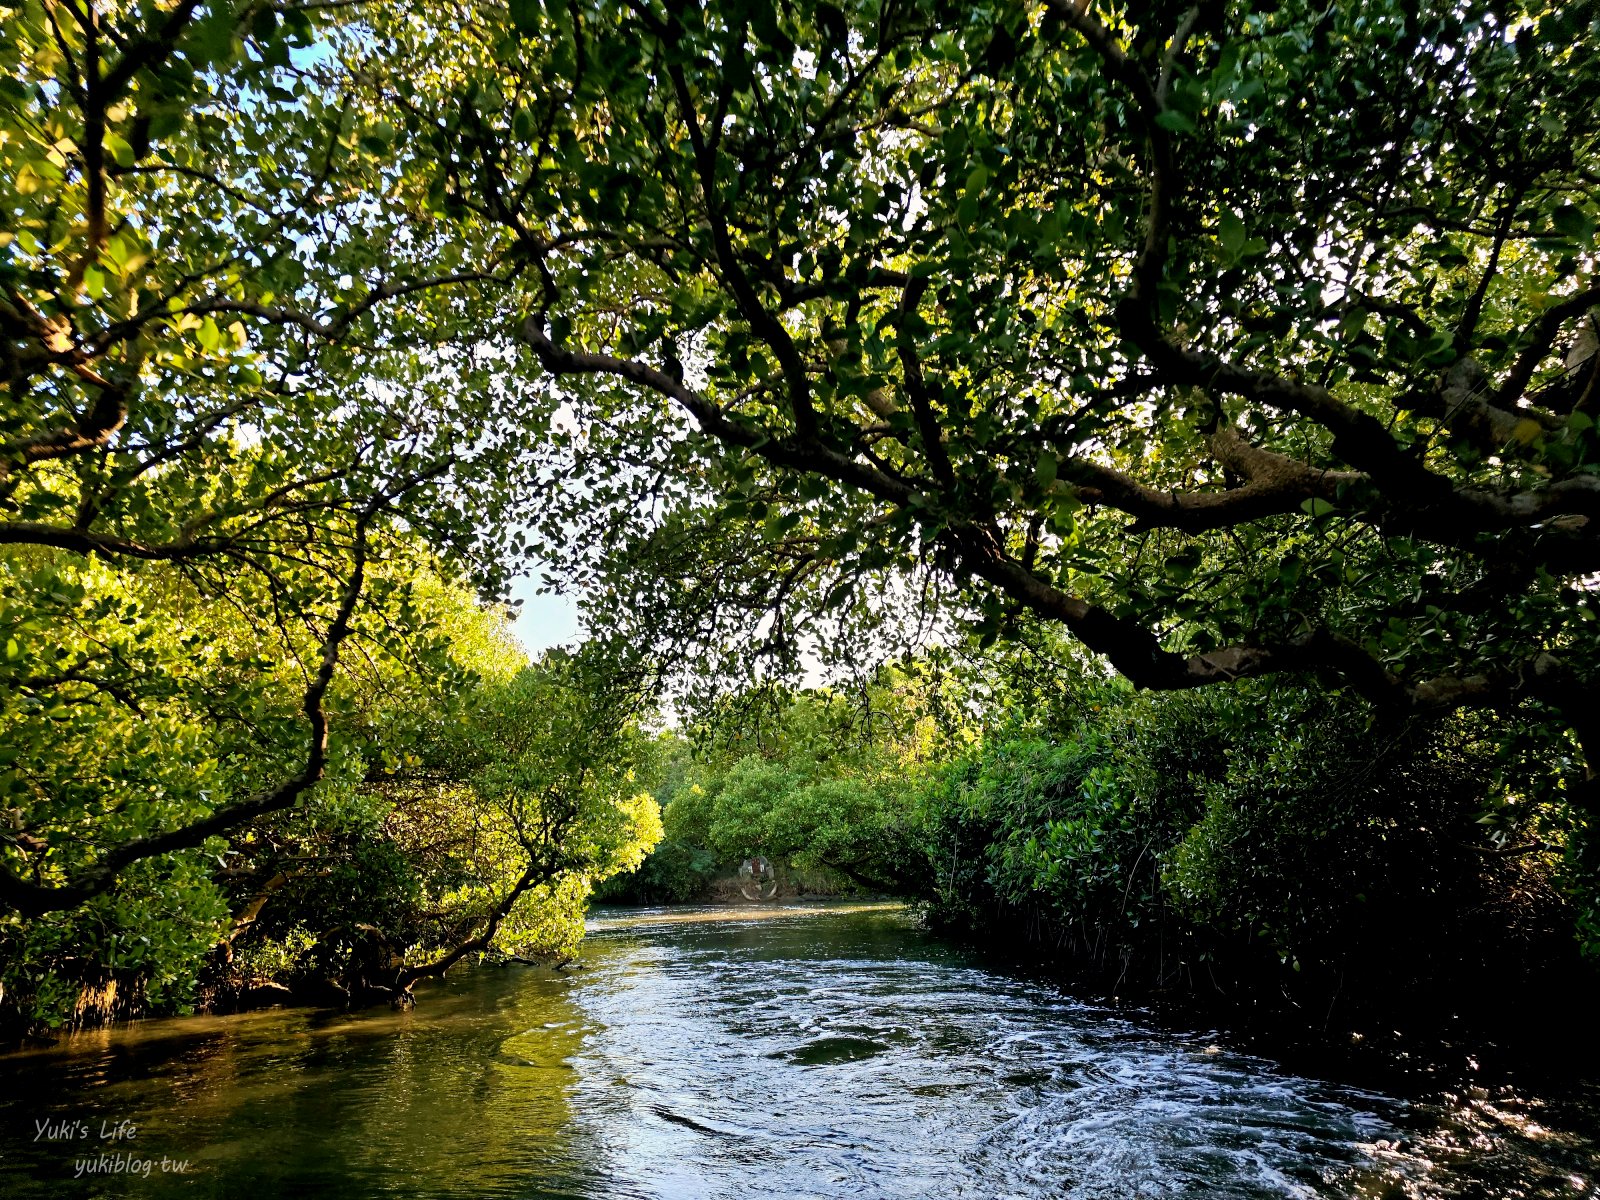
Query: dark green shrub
[(1268, 837), (673, 873)]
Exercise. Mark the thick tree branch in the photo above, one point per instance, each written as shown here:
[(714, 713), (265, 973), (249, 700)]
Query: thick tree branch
[(765, 325), (1542, 335), (492, 920), (917, 390), (1276, 484)]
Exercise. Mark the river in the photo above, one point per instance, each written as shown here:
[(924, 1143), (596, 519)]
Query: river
[(783, 1052)]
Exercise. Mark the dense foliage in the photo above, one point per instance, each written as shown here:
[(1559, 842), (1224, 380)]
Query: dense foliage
[(244, 467), (813, 780), (1263, 844), (1250, 346), (233, 374), (1233, 339), (472, 800)]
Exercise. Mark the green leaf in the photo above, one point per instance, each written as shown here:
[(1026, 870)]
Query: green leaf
[(1317, 507), (525, 15), (1439, 350), (1572, 222), (121, 153), (1525, 431), (972, 198), (1182, 566), (1045, 469), (1231, 232), (208, 335)]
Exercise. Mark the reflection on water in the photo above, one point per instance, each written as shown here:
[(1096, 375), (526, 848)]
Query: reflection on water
[(789, 1052), (290, 1102)]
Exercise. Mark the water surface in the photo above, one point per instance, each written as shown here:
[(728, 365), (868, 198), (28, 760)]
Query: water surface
[(792, 1052)]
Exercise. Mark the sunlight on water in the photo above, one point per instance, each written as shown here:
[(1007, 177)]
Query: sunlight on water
[(790, 1051), (604, 919)]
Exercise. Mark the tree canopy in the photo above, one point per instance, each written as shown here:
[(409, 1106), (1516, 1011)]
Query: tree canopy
[(231, 374), (1235, 339), (1230, 341)]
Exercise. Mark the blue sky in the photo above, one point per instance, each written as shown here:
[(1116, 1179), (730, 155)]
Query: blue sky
[(543, 620)]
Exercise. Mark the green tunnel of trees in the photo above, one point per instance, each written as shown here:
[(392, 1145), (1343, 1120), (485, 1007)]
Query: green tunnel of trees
[(1170, 430)]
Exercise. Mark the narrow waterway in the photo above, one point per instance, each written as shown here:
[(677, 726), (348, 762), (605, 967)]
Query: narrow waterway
[(795, 1052)]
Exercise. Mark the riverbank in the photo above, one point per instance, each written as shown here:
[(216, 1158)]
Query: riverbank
[(1550, 1037)]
